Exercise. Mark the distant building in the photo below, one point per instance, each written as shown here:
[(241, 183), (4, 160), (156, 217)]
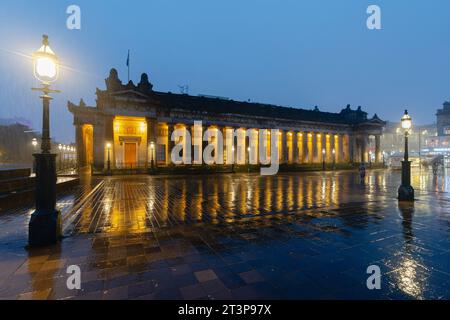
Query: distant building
[(420, 138), (443, 120), (132, 124), (16, 143), (440, 144)]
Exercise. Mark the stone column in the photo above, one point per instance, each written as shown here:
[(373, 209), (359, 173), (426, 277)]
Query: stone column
[(314, 155), (99, 146), (333, 157), (197, 138), (109, 138), (340, 151), (219, 153), (295, 157), (81, 147), (234, 145), (151, 137), (170, 143), (306, 155), (192, 132), (324, 157), (225, 146), (352, 148), (377, 149), (246, 145), (253, 144), (284, 151), (204, 143), (363, 149)]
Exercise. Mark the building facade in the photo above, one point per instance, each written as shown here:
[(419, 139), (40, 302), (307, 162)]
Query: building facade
[(132, 125), (443, 120)]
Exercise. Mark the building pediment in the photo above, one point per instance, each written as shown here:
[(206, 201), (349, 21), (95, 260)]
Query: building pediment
[(130, 95)]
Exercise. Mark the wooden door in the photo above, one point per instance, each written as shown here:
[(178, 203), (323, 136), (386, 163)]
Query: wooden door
[(130, 154)]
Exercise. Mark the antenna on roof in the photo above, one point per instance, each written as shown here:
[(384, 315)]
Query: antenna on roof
[(184, 89)]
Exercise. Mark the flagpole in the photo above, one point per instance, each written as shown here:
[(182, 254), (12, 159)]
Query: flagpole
[(128, 64)]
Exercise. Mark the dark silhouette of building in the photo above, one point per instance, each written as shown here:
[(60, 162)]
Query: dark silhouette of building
[(443, 120)]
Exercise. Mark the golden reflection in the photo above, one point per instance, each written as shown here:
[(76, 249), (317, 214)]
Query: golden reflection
[(231, 198), (289, 194), (408, 279), (268, 195), (180, 203), (300, 195), (196, 208), (279, 195), (137, 218), (309, 191), (318, 192), (214, 206)]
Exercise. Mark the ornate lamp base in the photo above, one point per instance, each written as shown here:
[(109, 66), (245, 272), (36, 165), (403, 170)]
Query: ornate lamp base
[(44, 228), (45, 222), (406, 193)]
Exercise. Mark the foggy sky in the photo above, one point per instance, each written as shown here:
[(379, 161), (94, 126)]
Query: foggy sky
[(290, 52)]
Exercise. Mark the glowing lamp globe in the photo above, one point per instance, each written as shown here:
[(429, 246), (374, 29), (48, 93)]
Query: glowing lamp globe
[(406, 121), (46, 64)]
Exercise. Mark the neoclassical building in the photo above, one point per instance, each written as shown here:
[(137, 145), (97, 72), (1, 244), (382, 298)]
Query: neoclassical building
[(131, 125)]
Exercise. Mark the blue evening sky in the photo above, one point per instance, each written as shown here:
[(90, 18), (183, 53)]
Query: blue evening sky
[(289, 52)]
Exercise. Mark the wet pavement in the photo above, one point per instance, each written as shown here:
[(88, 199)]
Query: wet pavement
[(291, 236)]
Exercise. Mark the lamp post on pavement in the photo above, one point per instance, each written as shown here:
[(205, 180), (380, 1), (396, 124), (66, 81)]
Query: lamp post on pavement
[(45, 222), (60, 148), (34, 143), (152, 159), (323, 159), (108, 147), (406, 191)]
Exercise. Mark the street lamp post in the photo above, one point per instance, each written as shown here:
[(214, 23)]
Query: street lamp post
[(45, 222), (108, 147), (152, 159), (406, 191), (323, 159), (370, 159), (60, 148), (34, 143)]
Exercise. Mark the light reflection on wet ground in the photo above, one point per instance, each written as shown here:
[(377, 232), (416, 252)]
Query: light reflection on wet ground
[(309, 235)]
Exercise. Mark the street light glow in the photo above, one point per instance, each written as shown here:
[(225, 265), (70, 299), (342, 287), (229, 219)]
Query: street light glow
[(46, 66), (406, 121)]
